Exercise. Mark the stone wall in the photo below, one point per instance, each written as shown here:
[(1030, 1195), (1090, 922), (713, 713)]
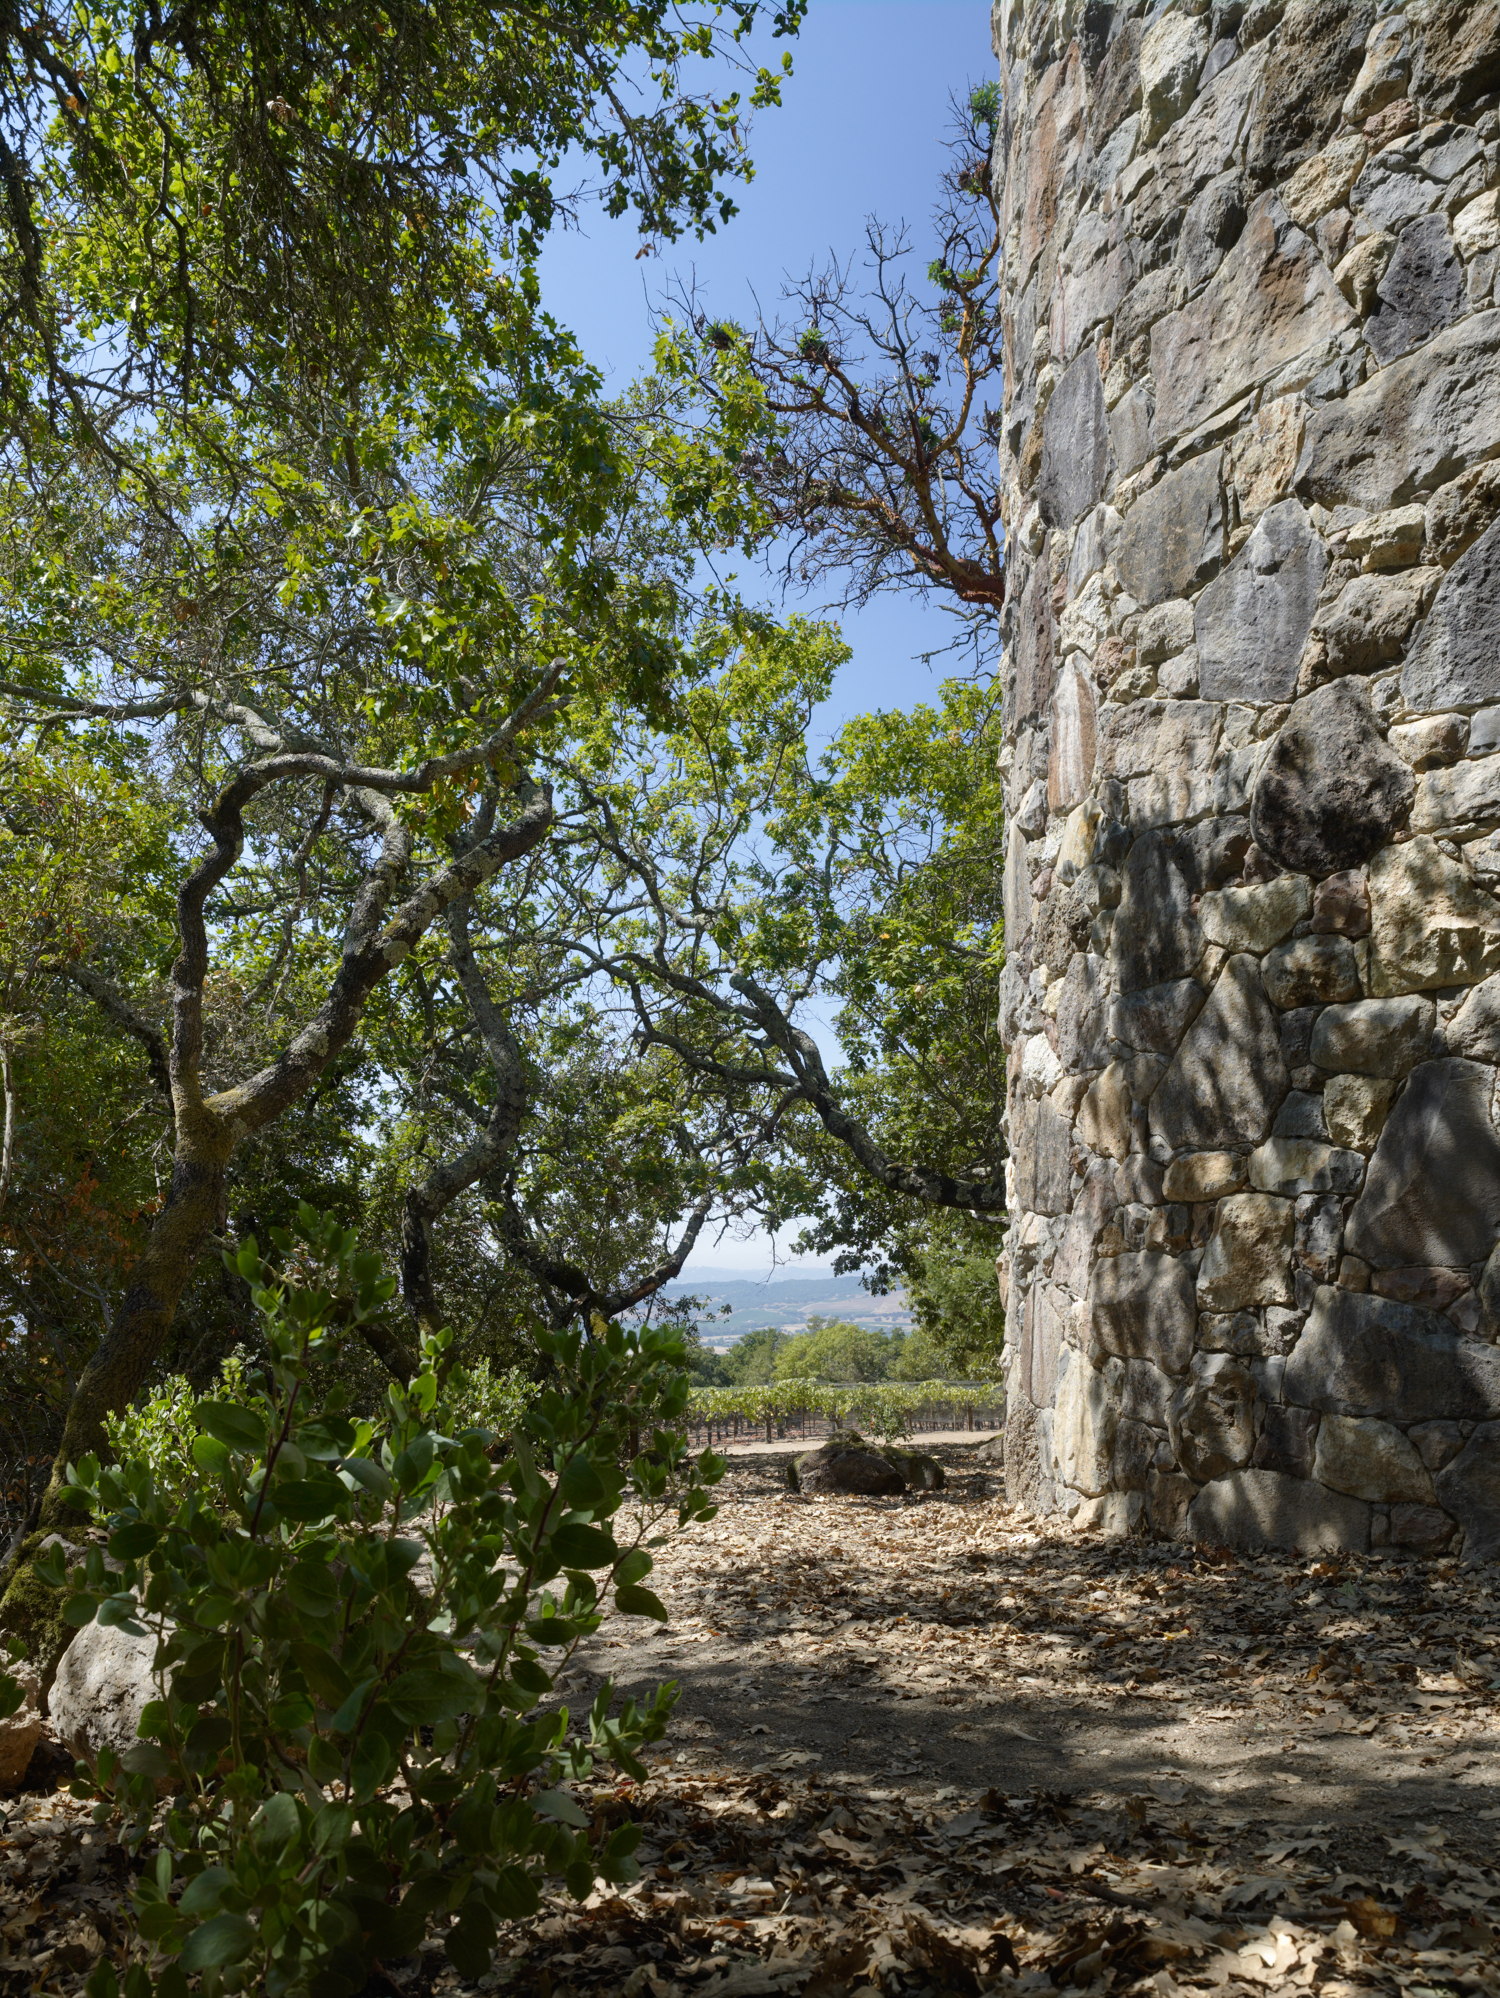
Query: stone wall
[(1251, 446)]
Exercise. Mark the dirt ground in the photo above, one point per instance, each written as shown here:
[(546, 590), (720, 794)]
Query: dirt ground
[(933, 1746)]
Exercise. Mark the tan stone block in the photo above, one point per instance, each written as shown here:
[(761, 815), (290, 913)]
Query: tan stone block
[(1355, 1107), (1430, 924), (1263, 457), (1370, 1459), (1104, 1113), (1323, 181), (1363, 268), (1248, 1260), (1203, 1176)]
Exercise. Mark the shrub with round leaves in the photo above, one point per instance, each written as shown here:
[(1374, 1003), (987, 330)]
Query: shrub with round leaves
[(358, 1627)]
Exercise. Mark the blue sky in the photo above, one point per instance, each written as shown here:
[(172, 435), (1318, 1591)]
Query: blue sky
[(859, 133)]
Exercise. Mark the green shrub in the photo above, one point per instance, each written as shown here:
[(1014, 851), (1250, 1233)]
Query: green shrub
[(356, 1622), (160, 1431)]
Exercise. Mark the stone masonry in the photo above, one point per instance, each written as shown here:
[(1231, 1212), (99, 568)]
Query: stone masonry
[(1251, 446)]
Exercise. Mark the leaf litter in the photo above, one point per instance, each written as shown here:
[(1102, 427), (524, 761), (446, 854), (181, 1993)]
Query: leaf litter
[(1070, 1768)]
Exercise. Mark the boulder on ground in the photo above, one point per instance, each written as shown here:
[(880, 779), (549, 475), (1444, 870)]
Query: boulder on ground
[(20, 1733), (846, 1463), (102, 1686), (922, 1472)]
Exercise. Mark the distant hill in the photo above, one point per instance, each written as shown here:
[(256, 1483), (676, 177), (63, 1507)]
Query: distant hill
[(787, 1303)]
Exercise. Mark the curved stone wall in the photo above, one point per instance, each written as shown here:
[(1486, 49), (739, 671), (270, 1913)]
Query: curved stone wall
[(1252, 886)]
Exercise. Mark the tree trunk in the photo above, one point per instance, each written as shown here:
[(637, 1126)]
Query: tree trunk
[(124, 1357)]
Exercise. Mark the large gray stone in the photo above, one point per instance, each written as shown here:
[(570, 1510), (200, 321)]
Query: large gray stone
[(1141, 1307), (1362, 1354), (1146, 1394), (1117, 85), (1070, 766), (1248, 1260), (1015, 886), (101, 1690), (1083, 1015), (1252, 621), (1256, 916), (1093, 276), (1318, 54), (1392, 192), (1474, 1031), (1028, 1454), (1152, 736), (1469, 1488), (1370, 623), (1041, 1143), (1211, 227), (1422, 290), (1330, 790), (1409, 428), (1385, 1037), (1227, 1079), (1156, 939), (1131, 435), (1173, 536), (1083, 1428), (1076, 456), (1311, 970), (1431, 924), (1467, 795), (1211, 1422), (1153, 1021), (1304, 1165), (1173, 52), (1458, 54), (1198, 147), (1370, 1459), (1253, 1509), (1455, 659), (1033, 644), (1433, 1192), (1272, 299), (1287, 1441)]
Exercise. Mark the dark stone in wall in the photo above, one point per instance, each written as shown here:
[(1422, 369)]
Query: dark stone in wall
[(1227, 1079), (1433, 1190), (1252, 621), (1455, 658), (1330, 790), (1287, 1442), (1173, 536), (1211, 228), (1083, 1016), (1156, 938), (1034, 668), (1366, 1355), (1143, 1306), (1422, 290), (1041, 1143), (1317, 56), (1458, 56), (1076, 455), (1212, 853), (1117, 86), (1153, 1021), (1469, 1488)]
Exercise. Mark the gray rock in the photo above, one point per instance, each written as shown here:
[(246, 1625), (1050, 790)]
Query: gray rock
[(1318, 54), (1168, 1500), (1320, 1235), (1474, 1031), (1301, 1116), (1043, 1323), (1248, 1258), (1370, 1459), (1173, 52), (1033, 643), (1256, 917), (1422, 290), (1141, 1307), (1355, 1107), (846, 1463), (1433, 1193), (1083, 1428), (1341, 905), (1131, 435), (1076, 457), (1156, 939), (1255, 1508), (1028, 1454), (1152, 736), (1154, 1020), (1117, 86), (1302, 1165), (1237, 1332), (1135, 1454), (1084, 1015), (1409, 428), (1211, 1422), (1370, 623), (1296, 1035), (1392, 192), (1422, 1528), (1455, 659), (1374, 1036), (1173, 536), (1252, 621), (1361, 1354), (1466, 796), (101, 1690), (1431, 923), (1272, 300), (1211, 227), (1199, 147), (1469, 1488), (1458, 55), (1138, 1181), (1330, 789), (1042, 1143), (1311, 969), (1016, 890), (1146, 1394), (1227, 1079), (1287, 1441), (1070, 767)]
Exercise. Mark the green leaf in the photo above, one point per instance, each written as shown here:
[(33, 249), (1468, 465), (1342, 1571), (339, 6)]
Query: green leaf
[(277, 1823), (209, 1454), (583, 1547), (323, 1672), (202, 1895), (558, 1804), (224, 1940), (424, 1697), (79, 1610), (313, 1587), (240, 1429), (366, 1472), (135, 1538), (308, 1499), (144, 1758), (640, 1602)]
